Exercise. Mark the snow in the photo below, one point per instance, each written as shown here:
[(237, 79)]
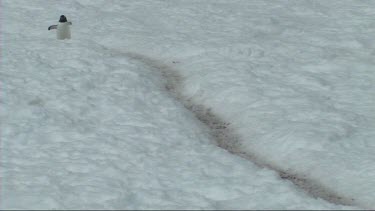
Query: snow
[(89, 123)]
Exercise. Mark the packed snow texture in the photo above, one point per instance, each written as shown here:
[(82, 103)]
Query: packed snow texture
[(88, 124)]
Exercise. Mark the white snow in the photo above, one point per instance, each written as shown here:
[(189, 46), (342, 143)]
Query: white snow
[(88, 123)]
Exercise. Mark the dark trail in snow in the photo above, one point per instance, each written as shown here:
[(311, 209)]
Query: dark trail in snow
[(225, 138)]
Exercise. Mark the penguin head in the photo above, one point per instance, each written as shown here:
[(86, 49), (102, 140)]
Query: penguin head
[(63, 19)]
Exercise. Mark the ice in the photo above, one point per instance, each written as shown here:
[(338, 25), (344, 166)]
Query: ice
[(92, 123)]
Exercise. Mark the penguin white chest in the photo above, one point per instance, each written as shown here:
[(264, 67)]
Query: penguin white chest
[(63, 31)]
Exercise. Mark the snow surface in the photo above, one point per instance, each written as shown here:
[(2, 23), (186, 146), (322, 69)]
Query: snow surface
[(89, 124)]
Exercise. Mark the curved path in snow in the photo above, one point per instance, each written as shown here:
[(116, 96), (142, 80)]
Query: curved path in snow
[(224, 136)]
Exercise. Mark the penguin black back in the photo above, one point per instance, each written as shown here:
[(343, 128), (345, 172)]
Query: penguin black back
[(63, 19)]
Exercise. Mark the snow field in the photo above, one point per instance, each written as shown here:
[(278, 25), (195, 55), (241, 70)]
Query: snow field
[(88, 123), (87, 128)]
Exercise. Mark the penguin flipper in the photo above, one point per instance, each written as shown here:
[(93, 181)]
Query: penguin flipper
[(70, 23), (52, 27)]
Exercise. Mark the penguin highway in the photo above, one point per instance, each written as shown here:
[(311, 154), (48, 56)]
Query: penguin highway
[(62, 28)]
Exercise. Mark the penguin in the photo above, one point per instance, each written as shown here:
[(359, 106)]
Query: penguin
[(63, 28)]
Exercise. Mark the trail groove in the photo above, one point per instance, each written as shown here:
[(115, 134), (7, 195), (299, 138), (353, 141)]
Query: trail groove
[(226, 138)]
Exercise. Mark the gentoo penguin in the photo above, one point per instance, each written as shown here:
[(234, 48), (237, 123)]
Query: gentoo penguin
[(63, 28)]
